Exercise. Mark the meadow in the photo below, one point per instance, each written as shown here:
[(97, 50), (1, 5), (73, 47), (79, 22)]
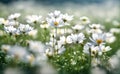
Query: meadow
[(67, 39)]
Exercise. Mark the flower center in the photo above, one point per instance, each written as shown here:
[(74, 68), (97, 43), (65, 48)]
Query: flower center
[(99, 41), (84, 20), (56, 23)]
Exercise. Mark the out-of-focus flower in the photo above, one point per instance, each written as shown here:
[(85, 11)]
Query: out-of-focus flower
[(10, 29), (84, 20), (115, 30), (75, 38), (97, 70), (11, 23), (33, 33), (45, 26), (95, 28), (5, 47), (25, 28), (33, 18), (116, 23), (36, 47), (13, 71), (110, 38), (14, 16), (2, 20), (78, 27), (66, 17), (55, 14), (17, 52)]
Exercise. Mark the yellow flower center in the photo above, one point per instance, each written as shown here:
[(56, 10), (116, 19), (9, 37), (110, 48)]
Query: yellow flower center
[(56, 23), (99, 41)]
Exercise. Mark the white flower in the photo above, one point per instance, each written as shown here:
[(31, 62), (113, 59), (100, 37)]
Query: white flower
[(55, 14), (62, 40), (115, 30), (2, 20), (66, 17), (33, 18), (110, 38), (33, 33), (105, 48), (25, 28), (11, 23), (10, 30), (36, 47), (78, 27), (5, 47), (95, 28), (14, 16), (84, 20), (55, 22), (75, 38), (45, 26), (98, 38), (17, 52)]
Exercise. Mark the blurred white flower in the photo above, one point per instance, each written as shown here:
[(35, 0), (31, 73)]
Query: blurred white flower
[(84, 20), (10, 30), (25, 28), (97, 70), (116, 23), (2, 20), (115, 30), (14, 16), (75, 38), (5, 47), (33, 18), (33, 33), (66, 18), (95, 28), (110, 38), (18, 52), (78, 27), (36, 47), (55, 14)]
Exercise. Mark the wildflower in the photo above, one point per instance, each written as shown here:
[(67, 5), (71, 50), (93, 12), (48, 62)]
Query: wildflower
[(76, 38), (11, 30), (96, 28), (78, 27), (84, 20), (14, 16), (98, 38), (25, 28), (33, 18), (36, 47), (55, 14), (55, 22)]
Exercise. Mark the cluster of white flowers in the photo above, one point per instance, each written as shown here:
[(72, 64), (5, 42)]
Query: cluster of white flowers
[(13, 27), (57, 19), (90, 37)]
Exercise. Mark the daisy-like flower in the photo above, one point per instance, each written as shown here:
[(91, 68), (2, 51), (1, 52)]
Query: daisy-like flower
[(84, 20), (95, 28), (2, 20), (75, 38), (78, 27), (98, 38), (11, 23), (36, 47), (66, 17), (55, 22), (110, 38), (14, 16), (17, 52), (10, 30), (25, 28), (33, 18), (55, 14)]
